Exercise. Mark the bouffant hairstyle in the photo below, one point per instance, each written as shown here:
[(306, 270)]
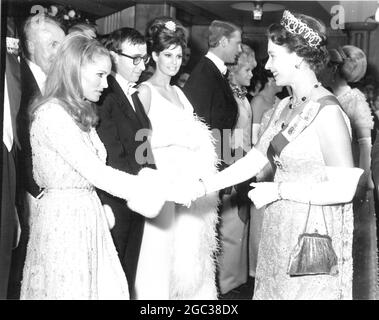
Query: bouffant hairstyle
[(63, 83), (315, 56), (219, 29), (164, 32), (247, 56), (351, 62)]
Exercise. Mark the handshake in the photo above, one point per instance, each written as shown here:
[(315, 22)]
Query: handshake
[(152, 189)]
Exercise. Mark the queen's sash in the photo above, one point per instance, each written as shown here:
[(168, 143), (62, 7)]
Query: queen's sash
[(298, 124)]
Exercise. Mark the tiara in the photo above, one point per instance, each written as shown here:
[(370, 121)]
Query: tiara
[(296, 26), (170, 25)]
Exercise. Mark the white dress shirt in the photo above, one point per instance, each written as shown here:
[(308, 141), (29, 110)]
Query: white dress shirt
[(38, 74), (7, 121), (126, 86), (217, 61)]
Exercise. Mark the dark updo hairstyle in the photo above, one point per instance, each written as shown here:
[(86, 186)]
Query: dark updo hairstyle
[(164, 32), (351, 62), (315, 56)]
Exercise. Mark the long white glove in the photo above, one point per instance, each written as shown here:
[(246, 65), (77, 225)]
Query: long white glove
[(152, 189), (339, 188), (242, 170), (148, 193)]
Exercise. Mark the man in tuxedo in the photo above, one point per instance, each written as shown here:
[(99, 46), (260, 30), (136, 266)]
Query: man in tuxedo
[(9, 226), (122, 119), (208, 89), (41, 37)]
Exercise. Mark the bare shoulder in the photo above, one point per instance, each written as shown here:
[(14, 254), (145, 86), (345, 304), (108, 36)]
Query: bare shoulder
[(144, 93), (143, 88)]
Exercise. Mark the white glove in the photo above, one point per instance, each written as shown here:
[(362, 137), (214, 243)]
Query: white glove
[(149, 194), (183, 190), (263, 193)]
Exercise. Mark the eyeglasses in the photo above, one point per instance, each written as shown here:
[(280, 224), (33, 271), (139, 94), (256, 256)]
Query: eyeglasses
[(137, 59)]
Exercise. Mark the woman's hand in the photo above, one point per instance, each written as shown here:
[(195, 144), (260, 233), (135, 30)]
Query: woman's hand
[(184, 190), (149, 193), (263, 193)]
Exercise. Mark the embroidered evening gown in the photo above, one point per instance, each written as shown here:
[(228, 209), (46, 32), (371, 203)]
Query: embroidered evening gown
[(284, 220), (70, 253), (177, 252), (365, 259)]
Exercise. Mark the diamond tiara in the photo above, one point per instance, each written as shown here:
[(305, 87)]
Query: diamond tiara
[(296, 26)]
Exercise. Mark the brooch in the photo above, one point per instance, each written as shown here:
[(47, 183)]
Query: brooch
[(278, 162)]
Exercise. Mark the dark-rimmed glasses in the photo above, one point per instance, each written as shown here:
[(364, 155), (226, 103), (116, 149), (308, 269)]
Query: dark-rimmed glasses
[(136, 59)]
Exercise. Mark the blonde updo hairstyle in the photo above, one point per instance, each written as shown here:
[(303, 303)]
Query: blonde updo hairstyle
[(246, 57), (350, 62)]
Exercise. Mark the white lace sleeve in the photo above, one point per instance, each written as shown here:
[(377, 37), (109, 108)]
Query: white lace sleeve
[(359, 111), (61, 134)]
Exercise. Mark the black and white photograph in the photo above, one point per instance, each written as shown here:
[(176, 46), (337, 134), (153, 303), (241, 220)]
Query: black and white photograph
[(207, 152)]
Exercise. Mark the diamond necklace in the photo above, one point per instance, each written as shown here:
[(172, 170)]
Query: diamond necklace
[(292, 105)]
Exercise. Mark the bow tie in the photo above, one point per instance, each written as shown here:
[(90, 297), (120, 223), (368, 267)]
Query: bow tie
[(130, 88)]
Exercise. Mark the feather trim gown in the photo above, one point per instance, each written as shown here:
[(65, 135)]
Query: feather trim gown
[(365, 259), (177, 252)]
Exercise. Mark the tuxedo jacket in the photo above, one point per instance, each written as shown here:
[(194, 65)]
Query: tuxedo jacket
[(212, 99), (29, 91), (117, 128), (8, 223)]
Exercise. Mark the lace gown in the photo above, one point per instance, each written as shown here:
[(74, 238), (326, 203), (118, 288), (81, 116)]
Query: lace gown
[(176, 258), (284, 221), (365, 262), (70, 253)]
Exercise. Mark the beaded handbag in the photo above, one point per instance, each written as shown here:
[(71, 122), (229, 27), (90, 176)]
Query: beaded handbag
[(313, 254)]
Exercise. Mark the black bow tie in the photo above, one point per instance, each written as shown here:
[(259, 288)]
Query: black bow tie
[(226, 74)]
